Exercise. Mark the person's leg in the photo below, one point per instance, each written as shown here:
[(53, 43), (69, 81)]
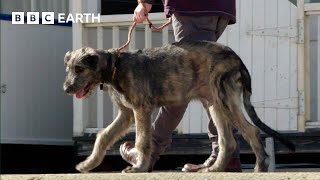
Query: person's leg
[(170, 116), (235, 164), (165, 123), (202, 28), (222, 23), (212, 133)]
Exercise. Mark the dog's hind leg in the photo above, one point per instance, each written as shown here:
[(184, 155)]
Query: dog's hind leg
[(226, 141), (251, 134), (106, 138), (143, 140)]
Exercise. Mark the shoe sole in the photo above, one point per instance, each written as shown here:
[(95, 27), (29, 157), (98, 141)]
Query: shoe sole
[(123, 156)]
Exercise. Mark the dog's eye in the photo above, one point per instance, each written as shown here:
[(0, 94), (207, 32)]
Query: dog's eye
[(79, 69)]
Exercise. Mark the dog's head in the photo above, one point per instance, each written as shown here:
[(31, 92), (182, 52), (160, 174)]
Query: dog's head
[(83, 67)]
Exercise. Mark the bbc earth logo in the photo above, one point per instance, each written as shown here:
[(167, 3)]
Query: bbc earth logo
[(48, 18)]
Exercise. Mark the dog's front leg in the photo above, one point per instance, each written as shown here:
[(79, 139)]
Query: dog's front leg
[(106, 138), (143, 140)]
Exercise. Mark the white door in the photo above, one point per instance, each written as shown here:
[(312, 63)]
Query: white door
[(265, 37)]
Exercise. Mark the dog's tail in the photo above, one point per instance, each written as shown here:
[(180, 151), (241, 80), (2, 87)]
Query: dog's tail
[(246, 81)]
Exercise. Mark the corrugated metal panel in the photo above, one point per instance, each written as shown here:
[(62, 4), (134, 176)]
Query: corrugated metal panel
[(270, 56), (34, 109)]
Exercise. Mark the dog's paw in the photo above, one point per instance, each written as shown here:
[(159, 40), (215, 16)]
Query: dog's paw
[(131, 169), (82, 167), (203, 170), (262, 166), (261, 169), (210, 169)]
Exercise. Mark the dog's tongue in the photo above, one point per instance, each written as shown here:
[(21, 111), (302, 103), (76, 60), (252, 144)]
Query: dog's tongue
[(80, 94)]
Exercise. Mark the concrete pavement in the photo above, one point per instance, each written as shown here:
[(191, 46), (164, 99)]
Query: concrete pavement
[(169, 175)]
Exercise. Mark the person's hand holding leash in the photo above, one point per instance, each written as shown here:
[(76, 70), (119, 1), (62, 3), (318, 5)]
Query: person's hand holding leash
[(141, 12)]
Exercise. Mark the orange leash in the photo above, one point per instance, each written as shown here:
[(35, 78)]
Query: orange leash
[(159, 28), (129, 38), (151, 26)]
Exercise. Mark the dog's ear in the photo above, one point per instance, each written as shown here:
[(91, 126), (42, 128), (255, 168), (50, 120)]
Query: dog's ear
[(90, 61), (67, 58)]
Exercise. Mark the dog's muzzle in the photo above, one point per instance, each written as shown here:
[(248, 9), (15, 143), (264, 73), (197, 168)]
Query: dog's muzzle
[(68, 89)]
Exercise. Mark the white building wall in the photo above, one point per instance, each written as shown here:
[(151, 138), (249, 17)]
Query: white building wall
[(34, 108)]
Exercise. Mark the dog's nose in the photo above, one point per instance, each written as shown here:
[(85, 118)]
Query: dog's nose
[(68, 89)]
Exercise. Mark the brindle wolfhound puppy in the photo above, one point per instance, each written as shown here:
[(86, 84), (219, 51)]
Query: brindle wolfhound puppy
[(142, 80)]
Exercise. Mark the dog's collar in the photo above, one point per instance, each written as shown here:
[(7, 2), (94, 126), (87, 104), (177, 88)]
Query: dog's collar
[(108, 73)]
